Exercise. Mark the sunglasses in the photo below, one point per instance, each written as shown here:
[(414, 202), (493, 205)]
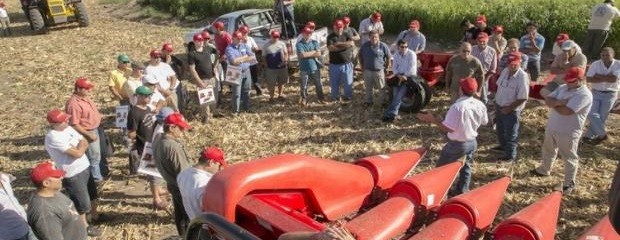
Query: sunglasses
[(404, 46), (125, 62)]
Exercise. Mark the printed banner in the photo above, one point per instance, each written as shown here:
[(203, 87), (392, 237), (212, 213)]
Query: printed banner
[(121, 116), (206, 95), (147, 163), (233, 75)]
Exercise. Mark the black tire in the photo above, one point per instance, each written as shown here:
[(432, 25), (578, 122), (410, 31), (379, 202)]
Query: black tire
[(413, 101), (37, 23), (82, 14), (428, 92)]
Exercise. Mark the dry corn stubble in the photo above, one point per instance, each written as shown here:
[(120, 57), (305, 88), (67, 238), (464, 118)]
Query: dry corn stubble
[(38, 72)]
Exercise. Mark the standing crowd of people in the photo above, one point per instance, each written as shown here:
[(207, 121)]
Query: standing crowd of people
[(488, 74)]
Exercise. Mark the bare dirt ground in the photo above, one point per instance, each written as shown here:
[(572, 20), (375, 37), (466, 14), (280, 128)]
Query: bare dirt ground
[(37, 74)]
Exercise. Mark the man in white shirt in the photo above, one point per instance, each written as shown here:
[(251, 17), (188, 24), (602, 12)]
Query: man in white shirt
[(166, 77), (373, 22), (192, 181), (512, 92), (488, 58), (461, 124), (604, 77), (405, 66), (67, 149), (601, 17), (569, 104)]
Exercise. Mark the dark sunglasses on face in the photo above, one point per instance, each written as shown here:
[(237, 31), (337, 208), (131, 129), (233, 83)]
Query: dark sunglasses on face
[(403, 46)]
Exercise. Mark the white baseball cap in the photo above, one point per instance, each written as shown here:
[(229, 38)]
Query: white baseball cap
[(150, 79)]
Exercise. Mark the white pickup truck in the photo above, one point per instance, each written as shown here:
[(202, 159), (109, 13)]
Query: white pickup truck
[(261, 22)]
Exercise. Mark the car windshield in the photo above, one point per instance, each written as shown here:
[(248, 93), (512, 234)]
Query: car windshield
[(256, 20)]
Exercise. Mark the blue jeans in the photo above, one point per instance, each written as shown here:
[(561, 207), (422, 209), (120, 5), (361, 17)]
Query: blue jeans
[(93, 153), (533, 67), (452, 152), (507, 129), (241, 92), (397, 95), (315, 76), (341, 74), (602, 102)]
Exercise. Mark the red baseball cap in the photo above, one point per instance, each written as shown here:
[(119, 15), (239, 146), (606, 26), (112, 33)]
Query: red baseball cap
[(167, 47), (306, 30), (498, 29), (275, 34), (311, 25), (468, 85), (198, 37), (414, 24), (376, 16), (244, 29), (237, 35), (214, 154), (218, 25), (574, 74), (178, 120), (338, 24), (155, 53), (561, 38), (481, 19), (205, 35), (346, 20), (57, 116), (514, 58), (483, 36), (83, 82), (43, 171)]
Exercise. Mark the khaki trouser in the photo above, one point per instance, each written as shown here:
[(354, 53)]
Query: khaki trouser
[(566, 144), (374, 80)]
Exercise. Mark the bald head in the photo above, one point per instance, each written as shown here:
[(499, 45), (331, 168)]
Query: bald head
[(465, 49)]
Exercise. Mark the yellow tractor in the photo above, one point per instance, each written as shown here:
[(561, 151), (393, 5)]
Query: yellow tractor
[(44, 13)]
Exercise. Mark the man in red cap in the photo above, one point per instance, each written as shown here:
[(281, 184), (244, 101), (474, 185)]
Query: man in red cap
[(416, 41), (497, 40), (171, 158), (309, 53), (202, 69), (488, 59), (254, 68), (462, 121), (275, 60), (373, 22), (462, 66), (512, 93), (85, 119), (351, 30), (511, 46), (192, 181), (222, 39), (67, 149), (50, 213), (340, 46), (569, 106), (177, 67), (239, 54), (166, 77), (481, 27)]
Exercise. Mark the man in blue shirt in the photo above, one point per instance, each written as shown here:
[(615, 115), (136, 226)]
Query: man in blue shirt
[(374, 59), (413, 37), (238, 54), (308, 53), (532, 44)]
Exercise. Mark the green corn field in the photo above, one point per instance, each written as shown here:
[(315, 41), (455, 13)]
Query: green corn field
[(440, 18)]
